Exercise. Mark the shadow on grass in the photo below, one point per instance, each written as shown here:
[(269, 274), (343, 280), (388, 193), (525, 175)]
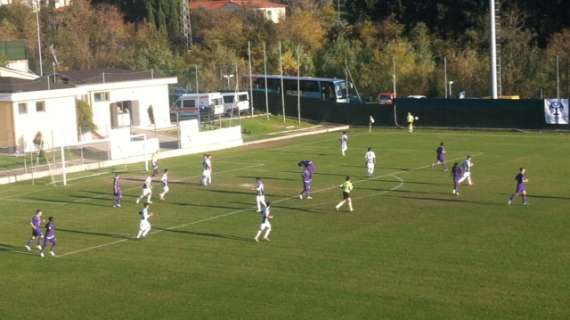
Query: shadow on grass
[(66, 202), (208, 234), (9, 247), (452, 200), (109, 195), (249, 193), (93, 233), (268, 178), (182, 204), (539, 196), (307, 210), (402, 191)]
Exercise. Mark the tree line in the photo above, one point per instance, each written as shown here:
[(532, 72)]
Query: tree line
[(371, 39)]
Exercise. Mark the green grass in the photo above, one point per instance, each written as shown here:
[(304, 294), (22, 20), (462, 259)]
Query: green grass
[(409, 251)]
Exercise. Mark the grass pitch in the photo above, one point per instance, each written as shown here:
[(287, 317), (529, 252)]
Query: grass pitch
[(409, 251)]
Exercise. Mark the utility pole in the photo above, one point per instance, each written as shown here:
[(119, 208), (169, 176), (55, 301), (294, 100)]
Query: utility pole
[(493, 45), (37, 7), (265, 74), (394, 77), (298, 87), (445, 75), (558, 77), (250, 80), (282, 87)]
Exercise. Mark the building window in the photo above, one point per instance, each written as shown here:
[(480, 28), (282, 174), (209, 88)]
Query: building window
[(22, 108), (40, 106), (101, 96)]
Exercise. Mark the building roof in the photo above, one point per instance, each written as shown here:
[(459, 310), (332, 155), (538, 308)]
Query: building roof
[(13, 85), (221, 4), (73, 79), (103, 76)]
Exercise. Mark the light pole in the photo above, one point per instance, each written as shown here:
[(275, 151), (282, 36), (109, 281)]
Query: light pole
[(228, 77), (37, 7), (493, 45), (450, 83)]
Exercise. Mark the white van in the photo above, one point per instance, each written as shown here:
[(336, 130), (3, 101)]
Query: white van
[(242, 103), (202, 104)]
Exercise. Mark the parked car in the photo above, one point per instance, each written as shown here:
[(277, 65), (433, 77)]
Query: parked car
[(386, 98)]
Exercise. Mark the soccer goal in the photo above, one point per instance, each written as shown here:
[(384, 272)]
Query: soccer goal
[(88, 155)]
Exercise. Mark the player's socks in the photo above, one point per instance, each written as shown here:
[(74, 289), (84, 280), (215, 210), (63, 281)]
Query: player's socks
[(28, 248), (52, 253), (39, 247), (42, 254)]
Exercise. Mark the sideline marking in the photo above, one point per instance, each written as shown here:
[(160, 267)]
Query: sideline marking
[(231, 213)]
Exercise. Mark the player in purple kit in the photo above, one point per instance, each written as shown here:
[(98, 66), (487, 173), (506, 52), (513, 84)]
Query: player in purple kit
[(36, 224), (440, 157), (456, 175), (49, 238), (117, 191), (307, 181), (308, 170), (521, 187)]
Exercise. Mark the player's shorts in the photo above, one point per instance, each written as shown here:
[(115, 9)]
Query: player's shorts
[(440, 158), (144, 225), (466, 174), (36, 233), (260, 198), (207, 173), (344, 147), (49, 241), (345, 195), (370, 165), (146, 192), (520, 188), (265, 225), (165, 189)]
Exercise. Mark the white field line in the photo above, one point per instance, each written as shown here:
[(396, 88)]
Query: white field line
[(14, 199), (231, 213)]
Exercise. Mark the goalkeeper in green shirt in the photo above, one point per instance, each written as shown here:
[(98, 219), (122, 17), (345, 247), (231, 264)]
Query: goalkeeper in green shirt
[(346, 188)]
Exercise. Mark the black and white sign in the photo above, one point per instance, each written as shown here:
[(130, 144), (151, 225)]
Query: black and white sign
[(556, 111)]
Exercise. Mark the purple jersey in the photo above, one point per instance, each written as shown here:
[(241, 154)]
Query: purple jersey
[(440, 153), (116, 186), (521, 185), (37, 223), (309, 165), (456, 173), (307, 175), (50, 230)]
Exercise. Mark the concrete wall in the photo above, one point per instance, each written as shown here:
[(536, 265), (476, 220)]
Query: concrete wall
[(192, 139), (147, 95), (58, 123)]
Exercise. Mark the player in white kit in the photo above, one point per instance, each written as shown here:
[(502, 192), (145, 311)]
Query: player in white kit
[(165, 187), (146, 190), (265, 224), (144, 226), (207, 170), (370, 159), (259, 194), (466, 166), (343, 143)]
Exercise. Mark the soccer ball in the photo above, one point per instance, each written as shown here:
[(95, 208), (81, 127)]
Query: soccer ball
[(417, 118)]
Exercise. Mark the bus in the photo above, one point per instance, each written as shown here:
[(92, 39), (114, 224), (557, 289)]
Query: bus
[(327, 89)]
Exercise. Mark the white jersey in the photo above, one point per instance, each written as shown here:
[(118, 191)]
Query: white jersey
[(344, 140), (207, 164), (164, 180), (144, 215), (370, 157), (467, 165), (147, 182), (260, 189)]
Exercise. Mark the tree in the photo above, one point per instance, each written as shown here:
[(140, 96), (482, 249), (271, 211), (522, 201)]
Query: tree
[(84, 117)]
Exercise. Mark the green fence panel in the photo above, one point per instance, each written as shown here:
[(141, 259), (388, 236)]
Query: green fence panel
[(460, 113)]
